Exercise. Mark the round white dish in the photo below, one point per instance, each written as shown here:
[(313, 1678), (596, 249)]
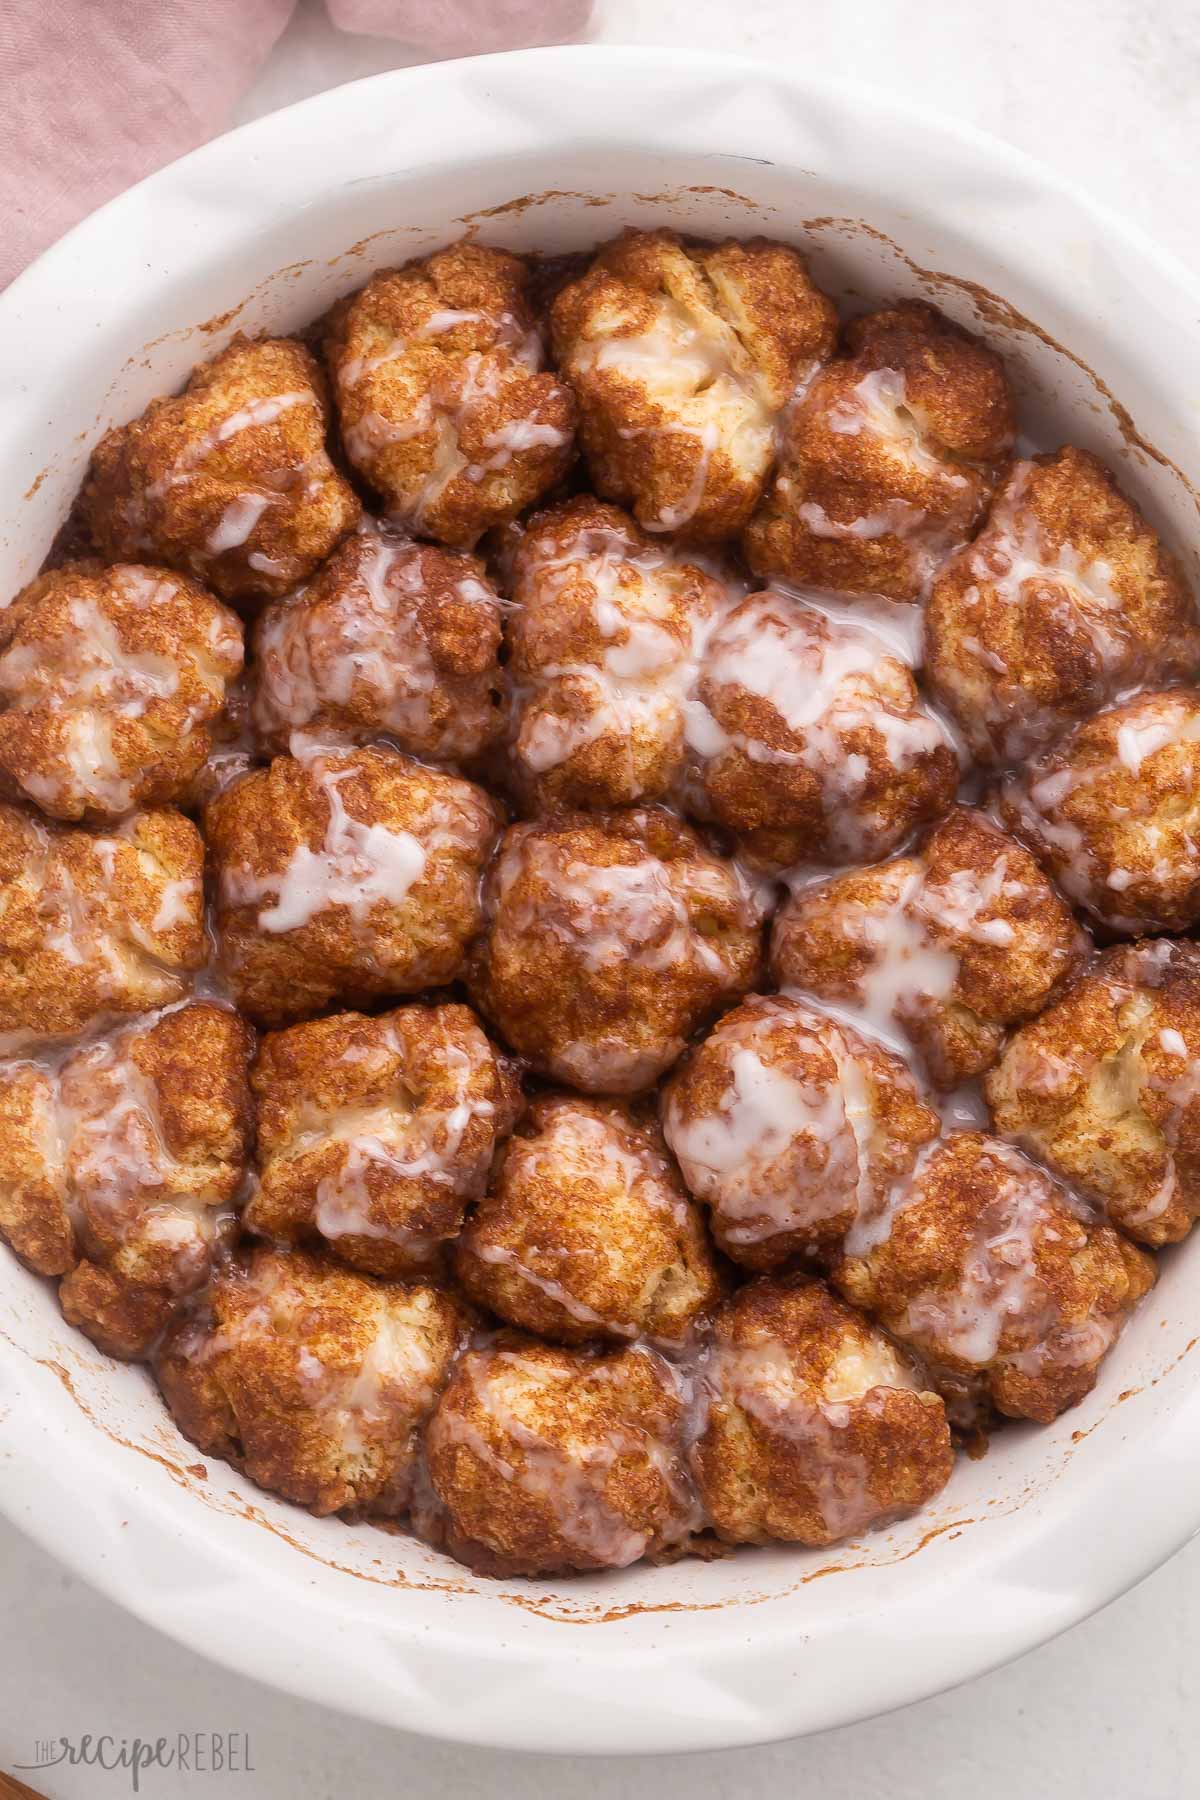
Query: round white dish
[(555, 150)]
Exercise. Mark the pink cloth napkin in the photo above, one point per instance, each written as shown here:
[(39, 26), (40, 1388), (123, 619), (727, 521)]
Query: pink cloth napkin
[(97, 93)]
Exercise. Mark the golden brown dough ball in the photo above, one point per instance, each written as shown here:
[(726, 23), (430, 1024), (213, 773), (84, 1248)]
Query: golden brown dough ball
[(809, 737), (587, 1231), (229, 480), (609, 940), (95, 922), (118, 1168), (1104, 1088), (998, 1275), (343, 876), (886, 461), (312, 1380), (546, 1460), (110, 680), (816, 1425), (1065, 598), (389, 637), (375, 1133), (604, 653), (1113, 812), (445, 407), (683, 358), (945, 947), (790, 1126)]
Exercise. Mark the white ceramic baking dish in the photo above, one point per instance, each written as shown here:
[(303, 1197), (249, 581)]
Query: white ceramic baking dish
[(555, 150)]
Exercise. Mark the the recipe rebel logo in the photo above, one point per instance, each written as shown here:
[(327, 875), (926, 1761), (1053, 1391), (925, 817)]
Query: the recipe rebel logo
[(190, 1752)]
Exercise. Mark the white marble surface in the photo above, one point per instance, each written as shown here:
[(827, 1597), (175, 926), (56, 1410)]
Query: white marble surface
[(1109, 91)]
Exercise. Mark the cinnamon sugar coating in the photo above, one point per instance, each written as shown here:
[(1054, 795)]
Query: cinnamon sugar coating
[(229, 481), (816, 1425), (313, 1380), (887, 461), (445, 406), (1065, 599), (120, 1167), (683, 359)]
